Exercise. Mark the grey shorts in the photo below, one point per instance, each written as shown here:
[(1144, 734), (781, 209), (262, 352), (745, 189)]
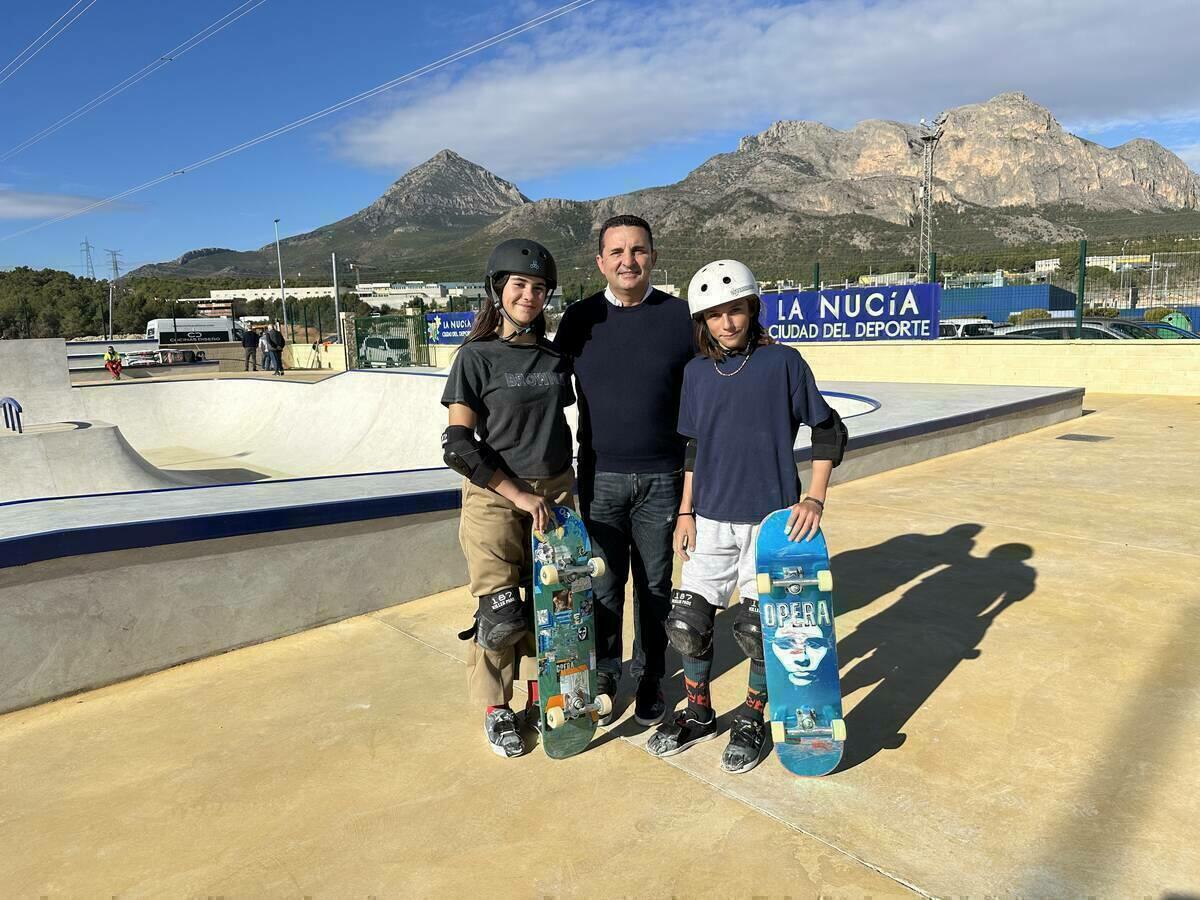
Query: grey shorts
[(722, 561)]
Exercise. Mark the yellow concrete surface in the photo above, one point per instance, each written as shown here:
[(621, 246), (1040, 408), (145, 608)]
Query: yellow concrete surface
[(1120, 367), (1017, 627)]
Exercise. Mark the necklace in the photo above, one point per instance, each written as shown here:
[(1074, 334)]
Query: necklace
[(735, 371)]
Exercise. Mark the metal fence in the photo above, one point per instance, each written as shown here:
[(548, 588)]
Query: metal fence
[(379, 342)]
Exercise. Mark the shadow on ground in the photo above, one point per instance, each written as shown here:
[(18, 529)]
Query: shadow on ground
[(905, 651)]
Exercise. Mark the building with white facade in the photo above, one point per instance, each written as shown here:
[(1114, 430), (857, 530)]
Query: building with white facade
[(272, 293)]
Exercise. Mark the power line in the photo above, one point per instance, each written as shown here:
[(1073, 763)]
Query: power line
[(145, 72), (17, 63), (329, 110)]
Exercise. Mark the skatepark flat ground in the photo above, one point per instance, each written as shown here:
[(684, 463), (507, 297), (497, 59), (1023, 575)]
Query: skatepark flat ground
[(1017, 632)]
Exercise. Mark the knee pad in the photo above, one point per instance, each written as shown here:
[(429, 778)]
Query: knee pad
[(500, 621), (690, 623), (747, 628)]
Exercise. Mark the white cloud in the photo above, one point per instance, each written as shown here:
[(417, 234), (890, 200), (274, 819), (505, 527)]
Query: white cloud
[(616, 78), (27, 205)]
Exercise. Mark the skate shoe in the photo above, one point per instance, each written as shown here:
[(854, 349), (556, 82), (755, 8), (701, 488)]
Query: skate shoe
[(649, 707), (606, 684), (500, 728), (682, 732), (746, 738)]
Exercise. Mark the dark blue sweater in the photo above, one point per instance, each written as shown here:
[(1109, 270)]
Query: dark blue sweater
[(629, 365)]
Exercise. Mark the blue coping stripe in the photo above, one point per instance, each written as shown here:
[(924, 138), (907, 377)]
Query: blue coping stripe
[(918, 429), (31, 548)]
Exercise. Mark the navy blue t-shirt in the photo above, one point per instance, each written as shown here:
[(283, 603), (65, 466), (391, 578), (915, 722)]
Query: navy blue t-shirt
[(745, 429), (629, 363)]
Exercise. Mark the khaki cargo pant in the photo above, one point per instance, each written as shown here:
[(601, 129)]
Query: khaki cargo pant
[(494, 536)]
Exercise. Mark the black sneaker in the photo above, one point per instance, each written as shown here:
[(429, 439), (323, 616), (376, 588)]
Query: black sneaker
[(533, 717), (746, 738), (500, 728), (606, 684), (649, 707), (681, 733)]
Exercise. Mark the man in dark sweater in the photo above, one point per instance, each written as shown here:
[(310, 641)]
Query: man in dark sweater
[(630, 344)]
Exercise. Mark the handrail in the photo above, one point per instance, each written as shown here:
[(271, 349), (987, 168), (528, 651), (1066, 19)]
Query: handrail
[(12, 414)]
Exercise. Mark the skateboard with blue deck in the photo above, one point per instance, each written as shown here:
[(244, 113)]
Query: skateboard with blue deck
[(795, 603), (565, 630)]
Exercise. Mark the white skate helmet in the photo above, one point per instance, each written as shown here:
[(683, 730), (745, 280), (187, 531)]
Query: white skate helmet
[(719, 282)]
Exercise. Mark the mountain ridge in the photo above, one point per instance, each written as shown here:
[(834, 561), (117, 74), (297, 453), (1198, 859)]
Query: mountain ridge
[(1004, 167)]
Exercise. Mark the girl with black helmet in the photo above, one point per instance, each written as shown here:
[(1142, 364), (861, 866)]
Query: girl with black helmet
[(509, 439), (743, 400)]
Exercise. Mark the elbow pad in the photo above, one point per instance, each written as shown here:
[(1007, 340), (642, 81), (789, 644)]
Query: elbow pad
[(689, 456), (469, 457), (829, 439)]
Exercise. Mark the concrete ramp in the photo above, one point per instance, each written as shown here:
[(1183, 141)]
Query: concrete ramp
[(35, 374), (349, 423), (70, 458)]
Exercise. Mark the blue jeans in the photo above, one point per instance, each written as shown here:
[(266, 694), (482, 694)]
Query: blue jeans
[(631, 519)]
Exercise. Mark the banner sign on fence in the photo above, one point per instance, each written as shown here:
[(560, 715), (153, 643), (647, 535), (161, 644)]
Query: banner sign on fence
[(449, 327), (903, 312)]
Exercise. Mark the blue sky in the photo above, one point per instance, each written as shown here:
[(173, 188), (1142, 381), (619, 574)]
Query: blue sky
[(612, 97)]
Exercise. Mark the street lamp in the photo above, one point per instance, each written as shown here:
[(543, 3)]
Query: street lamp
[(279, 260)]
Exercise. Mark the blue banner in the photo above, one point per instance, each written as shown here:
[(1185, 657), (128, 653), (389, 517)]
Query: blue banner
[(449, 327), (904, 312)]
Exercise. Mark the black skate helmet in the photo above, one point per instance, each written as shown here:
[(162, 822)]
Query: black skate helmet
[(520, 256)]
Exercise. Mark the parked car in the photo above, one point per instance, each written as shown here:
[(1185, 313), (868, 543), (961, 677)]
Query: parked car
[(384, 352), (1163, 330), (965, 327), (1064, 329)]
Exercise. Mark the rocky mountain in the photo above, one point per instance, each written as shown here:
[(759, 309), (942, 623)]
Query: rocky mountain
[(445, 191), (1006, 172)]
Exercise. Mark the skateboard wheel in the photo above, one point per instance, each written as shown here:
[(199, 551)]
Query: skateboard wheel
[(764, 583), (839, 729), (555, 718), (596, 567), (825, 581), (778, 732), (549, 575), (603, 704)]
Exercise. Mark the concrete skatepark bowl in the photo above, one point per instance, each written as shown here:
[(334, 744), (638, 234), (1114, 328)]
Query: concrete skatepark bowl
[(136, 483)]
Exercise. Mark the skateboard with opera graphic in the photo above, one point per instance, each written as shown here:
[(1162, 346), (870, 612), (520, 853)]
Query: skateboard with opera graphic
[(795, 602), (565, 631)]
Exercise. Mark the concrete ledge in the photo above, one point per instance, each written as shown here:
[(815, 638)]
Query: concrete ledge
[(76, 623), (89, 374)]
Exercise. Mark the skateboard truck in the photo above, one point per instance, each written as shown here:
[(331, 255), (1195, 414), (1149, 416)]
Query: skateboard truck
[(794, 581), (555, 574), (806, 727), (574, 707)]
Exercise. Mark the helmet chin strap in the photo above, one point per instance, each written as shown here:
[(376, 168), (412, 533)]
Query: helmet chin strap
[(519, 329)]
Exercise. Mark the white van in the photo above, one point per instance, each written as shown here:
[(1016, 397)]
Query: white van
[(193, 331)]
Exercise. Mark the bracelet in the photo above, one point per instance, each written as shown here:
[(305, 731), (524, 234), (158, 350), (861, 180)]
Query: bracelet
[(692, 514), (820, 503)]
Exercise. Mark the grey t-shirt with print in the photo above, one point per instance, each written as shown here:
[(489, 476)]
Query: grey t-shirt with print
[(518, 393)]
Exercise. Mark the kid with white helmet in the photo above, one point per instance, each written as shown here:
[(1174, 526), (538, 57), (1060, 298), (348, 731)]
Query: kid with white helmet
[(509, 439), (743, 400)]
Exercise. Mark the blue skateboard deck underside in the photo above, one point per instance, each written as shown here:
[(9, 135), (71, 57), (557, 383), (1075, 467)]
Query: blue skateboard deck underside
[(800, 649), (564, 628)]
